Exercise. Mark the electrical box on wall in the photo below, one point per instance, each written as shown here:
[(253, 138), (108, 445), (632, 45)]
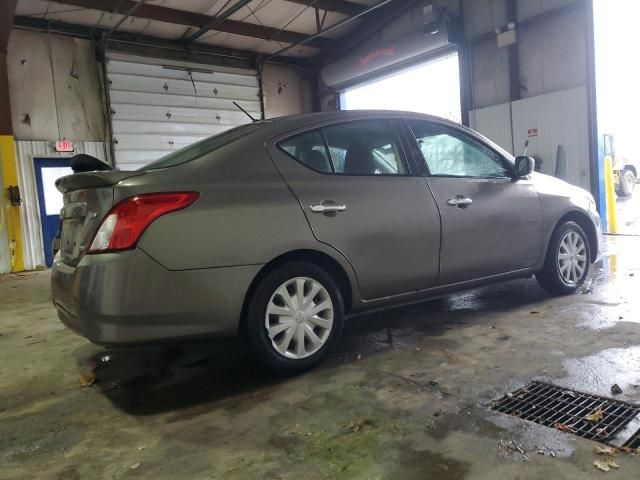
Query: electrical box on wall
[(14, 196), (509, 37)]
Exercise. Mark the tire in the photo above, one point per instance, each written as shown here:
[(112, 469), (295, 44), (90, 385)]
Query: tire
[(627, 183), (559, 280), (275, 297)]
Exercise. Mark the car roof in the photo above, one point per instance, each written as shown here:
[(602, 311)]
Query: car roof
[(292, 122), (281, 125)]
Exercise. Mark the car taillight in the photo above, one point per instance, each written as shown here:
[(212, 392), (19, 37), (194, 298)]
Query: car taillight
[(127, 221)]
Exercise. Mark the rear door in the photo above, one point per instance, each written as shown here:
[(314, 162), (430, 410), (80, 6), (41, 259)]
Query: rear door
[(491, 224), (361, 196)]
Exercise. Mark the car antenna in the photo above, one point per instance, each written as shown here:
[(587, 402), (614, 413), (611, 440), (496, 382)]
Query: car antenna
[(526, 147), (245, 112)]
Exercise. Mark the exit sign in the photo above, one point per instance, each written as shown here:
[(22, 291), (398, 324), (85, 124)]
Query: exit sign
[(64, 146)]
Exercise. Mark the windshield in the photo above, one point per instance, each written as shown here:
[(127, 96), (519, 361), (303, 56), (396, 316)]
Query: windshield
[(198, 149)]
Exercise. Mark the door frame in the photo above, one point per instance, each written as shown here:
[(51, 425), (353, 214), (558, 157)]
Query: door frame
[(38, 162)]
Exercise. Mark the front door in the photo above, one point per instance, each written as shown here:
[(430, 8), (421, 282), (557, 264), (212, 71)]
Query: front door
[(360, 196), (47, 171), (491, 224)]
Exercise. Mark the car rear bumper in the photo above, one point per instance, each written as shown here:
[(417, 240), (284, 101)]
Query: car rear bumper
[(128, 298)]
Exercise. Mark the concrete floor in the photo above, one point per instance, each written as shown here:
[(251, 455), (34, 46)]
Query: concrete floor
[(629, 214), (406, 395)]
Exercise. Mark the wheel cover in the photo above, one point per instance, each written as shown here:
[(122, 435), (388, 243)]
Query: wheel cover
[(299, 317), (572, 258), (631, 182)]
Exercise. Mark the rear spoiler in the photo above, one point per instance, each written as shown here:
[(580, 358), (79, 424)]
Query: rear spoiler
[(79, 181)]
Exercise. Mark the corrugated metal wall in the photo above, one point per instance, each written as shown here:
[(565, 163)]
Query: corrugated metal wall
[(560, 119), (157, 107), (30, 211)]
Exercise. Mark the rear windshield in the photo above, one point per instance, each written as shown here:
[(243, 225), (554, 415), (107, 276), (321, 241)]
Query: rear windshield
[(198, 149)]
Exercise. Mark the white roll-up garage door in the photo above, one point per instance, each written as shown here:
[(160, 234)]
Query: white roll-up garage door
[(158, 107)]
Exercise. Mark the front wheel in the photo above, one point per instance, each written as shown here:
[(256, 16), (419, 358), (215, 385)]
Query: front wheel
[(567, 262), (294, 318), (627, 183)]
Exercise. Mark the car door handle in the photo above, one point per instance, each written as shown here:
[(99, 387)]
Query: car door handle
[(459, 201), (327, 208)]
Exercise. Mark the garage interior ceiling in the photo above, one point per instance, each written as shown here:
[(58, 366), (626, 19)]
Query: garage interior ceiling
[(287, 31)]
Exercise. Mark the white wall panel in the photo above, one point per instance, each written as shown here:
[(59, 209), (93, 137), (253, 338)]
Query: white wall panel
[(30, 210), (158, 108), (561, 119), (55, 88), (495, 124)]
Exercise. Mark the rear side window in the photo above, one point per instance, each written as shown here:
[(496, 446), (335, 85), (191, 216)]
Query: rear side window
[(310, 150), (365, 147)]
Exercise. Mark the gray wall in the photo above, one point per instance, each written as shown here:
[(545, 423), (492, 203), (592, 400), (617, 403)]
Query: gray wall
[(285, 91), (552, 57), (552, 53), (55, 81)]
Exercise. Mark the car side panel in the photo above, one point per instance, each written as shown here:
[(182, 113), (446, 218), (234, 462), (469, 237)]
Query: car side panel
[(245, 215), (127, 297)]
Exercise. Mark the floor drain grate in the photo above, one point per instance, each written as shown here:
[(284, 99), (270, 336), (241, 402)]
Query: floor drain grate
[(566, 410), (634, 441)]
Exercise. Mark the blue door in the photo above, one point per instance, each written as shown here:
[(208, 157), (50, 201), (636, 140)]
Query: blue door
[(47, 171)]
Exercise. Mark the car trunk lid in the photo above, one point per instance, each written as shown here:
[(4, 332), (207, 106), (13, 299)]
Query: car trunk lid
[(88, 197)]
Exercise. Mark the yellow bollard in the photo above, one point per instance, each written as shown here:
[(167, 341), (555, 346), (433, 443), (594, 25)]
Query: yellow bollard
[(612, 219)]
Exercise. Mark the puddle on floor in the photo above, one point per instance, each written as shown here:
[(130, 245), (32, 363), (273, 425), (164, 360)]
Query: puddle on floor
[(596, 374)]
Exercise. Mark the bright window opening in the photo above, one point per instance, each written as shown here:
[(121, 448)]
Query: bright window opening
[(432, 88)]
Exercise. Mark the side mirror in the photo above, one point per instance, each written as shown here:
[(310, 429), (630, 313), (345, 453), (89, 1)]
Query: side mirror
[(524, 166)]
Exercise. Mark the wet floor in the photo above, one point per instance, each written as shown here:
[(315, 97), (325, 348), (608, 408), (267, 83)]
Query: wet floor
[(407, 394), (628, 213)]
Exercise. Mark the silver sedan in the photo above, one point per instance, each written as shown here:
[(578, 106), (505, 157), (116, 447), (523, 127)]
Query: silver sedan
[(277, 230)]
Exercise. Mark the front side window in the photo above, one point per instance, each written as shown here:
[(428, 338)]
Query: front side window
[(367, 147), (449, 153)]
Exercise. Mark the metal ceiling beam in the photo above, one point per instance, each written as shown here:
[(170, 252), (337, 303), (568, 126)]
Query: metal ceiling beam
[(119, 41), (129, 13), (339, 6), (339, 24), (371, 24), (192, 19), (217, 20)]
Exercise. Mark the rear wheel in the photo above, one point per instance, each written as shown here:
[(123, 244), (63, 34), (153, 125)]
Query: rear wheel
[(567, 262), (295, 317), (627, 183)]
